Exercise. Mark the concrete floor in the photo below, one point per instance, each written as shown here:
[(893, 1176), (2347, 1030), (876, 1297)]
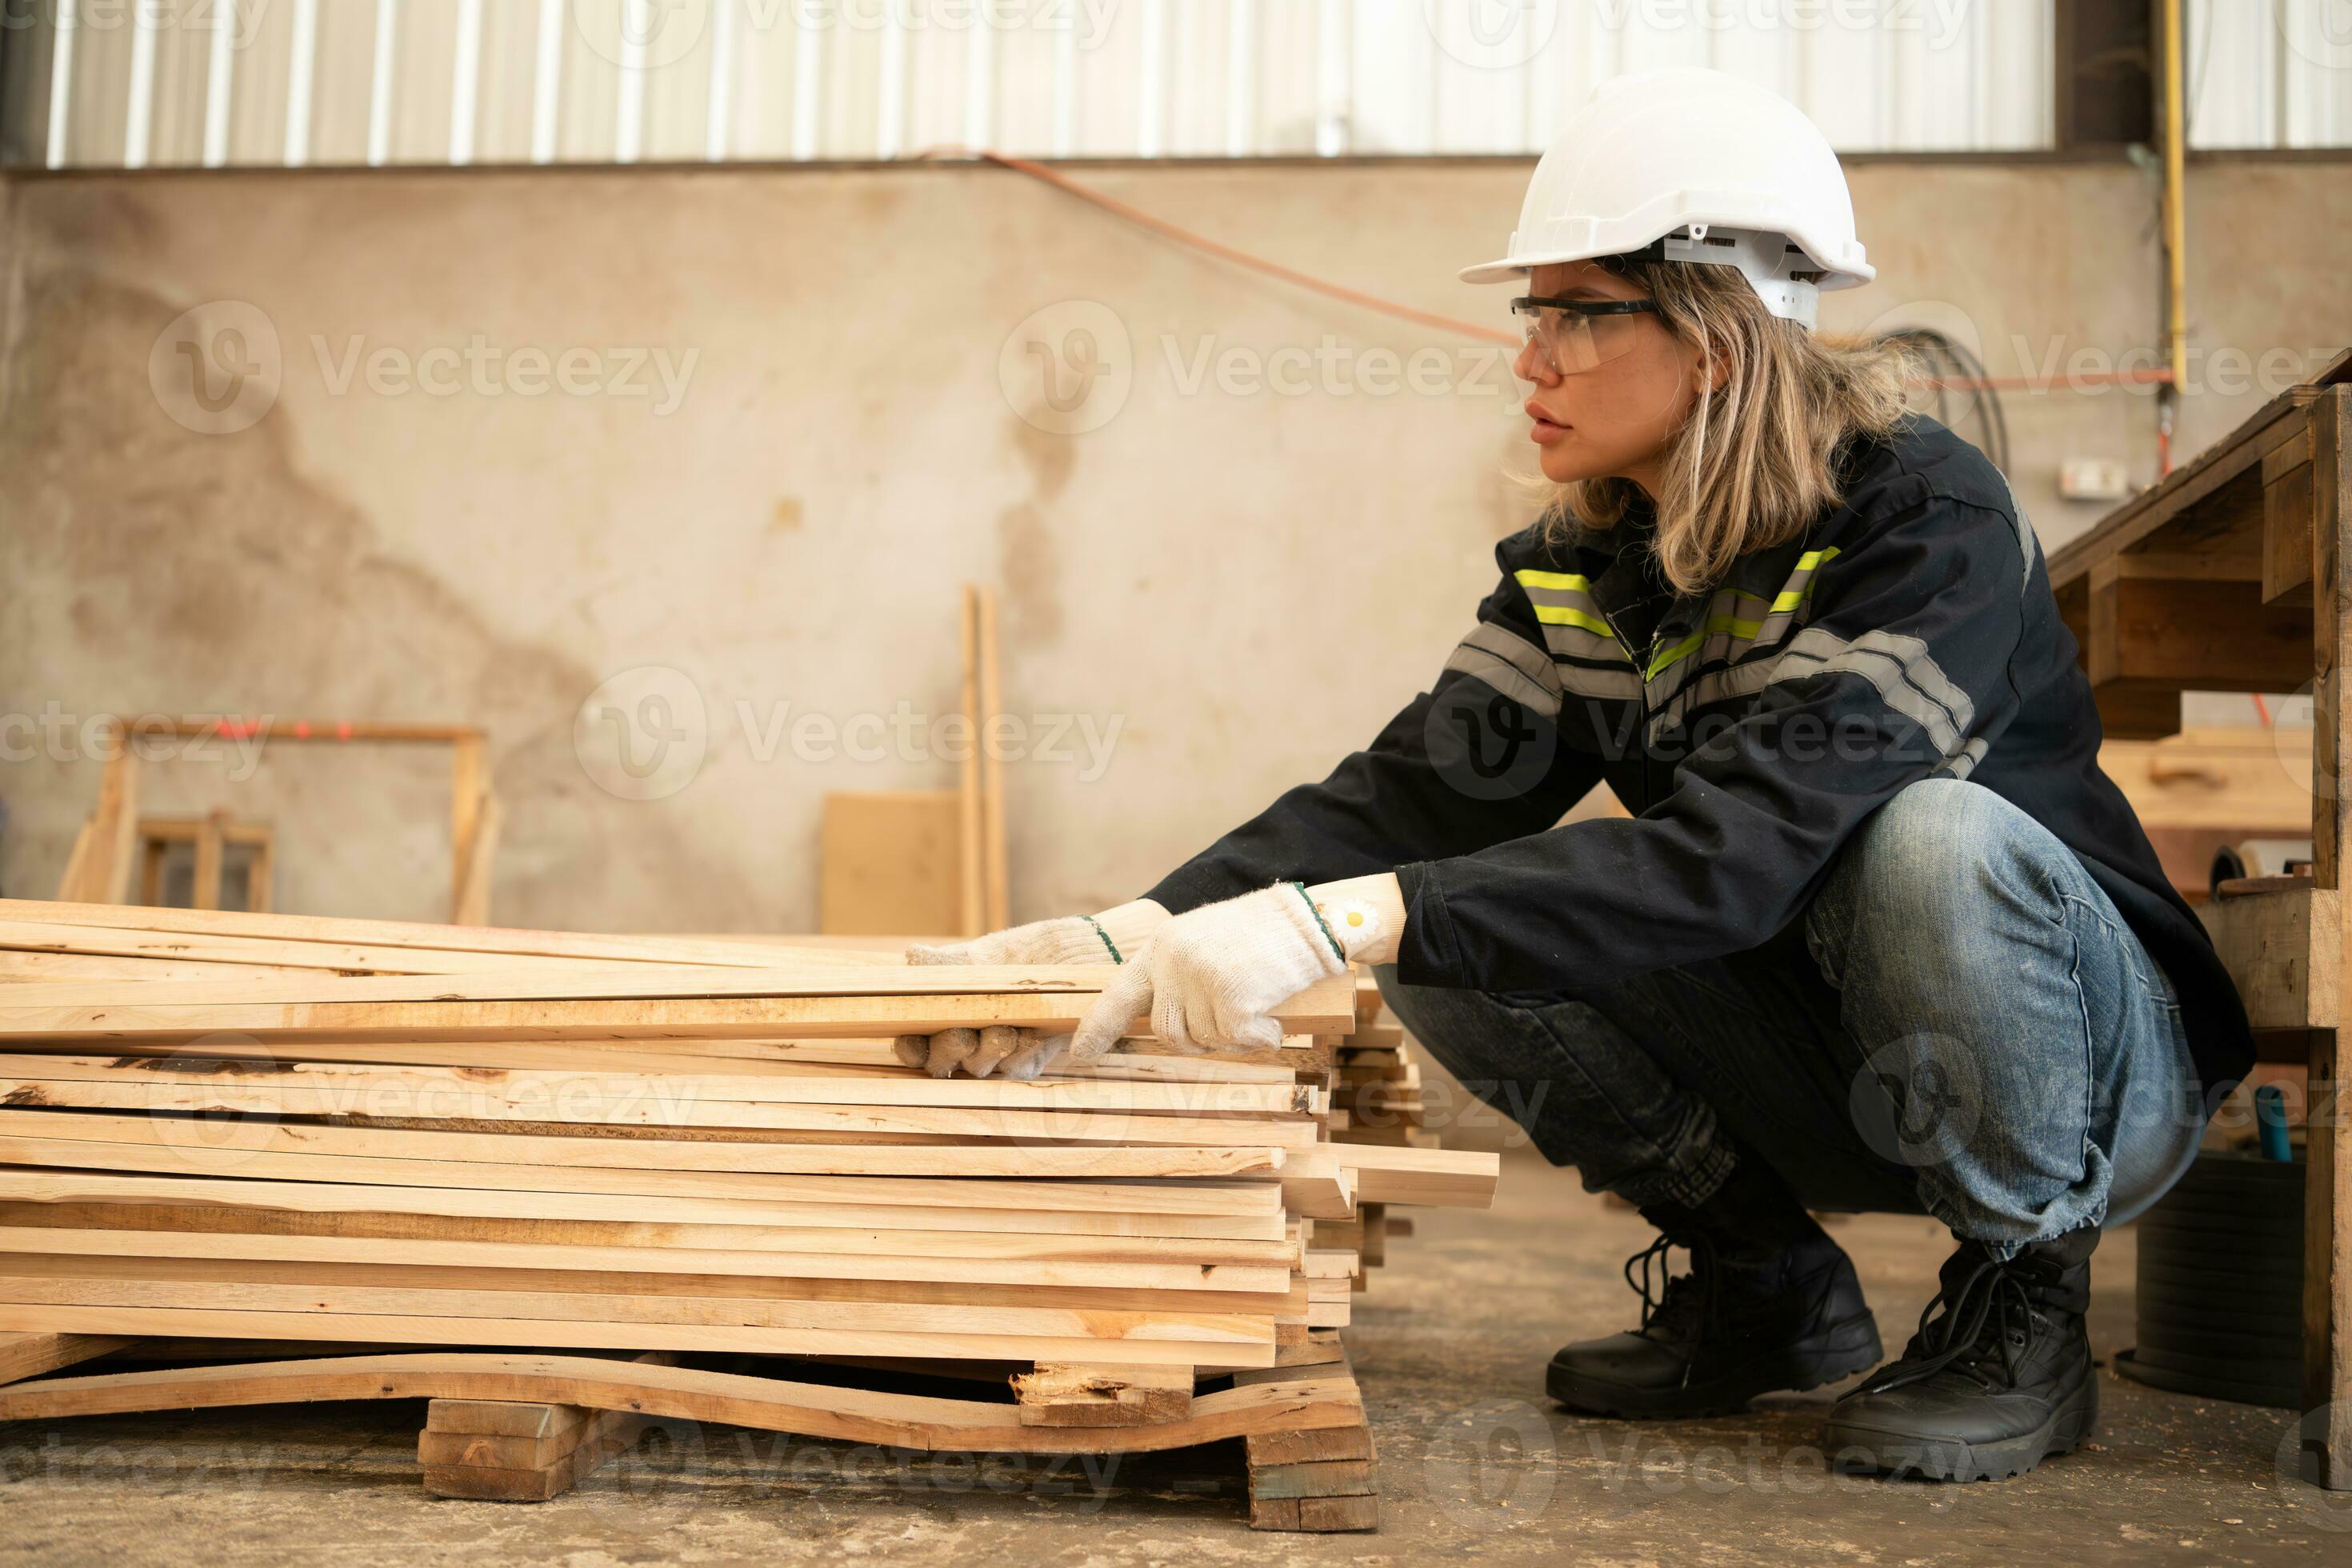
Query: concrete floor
[(1474, 1462)]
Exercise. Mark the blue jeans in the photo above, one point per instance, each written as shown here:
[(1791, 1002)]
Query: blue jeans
[(1959, 1023)]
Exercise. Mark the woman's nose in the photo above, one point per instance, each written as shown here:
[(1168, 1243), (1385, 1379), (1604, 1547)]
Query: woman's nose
[(1534, 364)]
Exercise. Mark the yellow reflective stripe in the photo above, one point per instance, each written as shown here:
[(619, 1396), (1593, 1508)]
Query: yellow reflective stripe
[(1561, 615), (1809, 561), (1795, 596), (1681, 650), (1530, 578)]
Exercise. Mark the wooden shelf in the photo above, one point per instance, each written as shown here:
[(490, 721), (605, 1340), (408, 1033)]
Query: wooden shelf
[(2284, 951)]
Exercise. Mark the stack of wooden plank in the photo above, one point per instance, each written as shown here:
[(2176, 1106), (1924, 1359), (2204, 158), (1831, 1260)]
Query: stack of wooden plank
[(289, 1128)]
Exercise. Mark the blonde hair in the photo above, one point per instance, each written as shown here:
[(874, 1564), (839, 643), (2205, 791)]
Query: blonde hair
[(1754, 464)]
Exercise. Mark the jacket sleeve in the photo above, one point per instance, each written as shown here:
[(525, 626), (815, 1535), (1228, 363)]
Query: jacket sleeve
[(1477, 759), (1903, 671)]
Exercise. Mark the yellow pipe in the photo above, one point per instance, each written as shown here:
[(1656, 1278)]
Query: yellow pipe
[(2176, 181)]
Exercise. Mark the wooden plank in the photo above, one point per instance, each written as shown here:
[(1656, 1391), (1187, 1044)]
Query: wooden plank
[(1057, 1006), (467, 782), (971, 874), (2203, 634), (205, 891), (2328, 1193), (2182, 489), (894, 1086), (610, 1435), (399, 1172), (24, 1355), (888, 861), (101, 868), (855, 1416), (2282, 949), (846, 1059), (476, 872), (495, 1452), (324, 1140), (651, 1111), (227, 1224), (233, 1290), (1067, 1395), (995, 893), (1079, 1273), (792, 1202), (2287, 508), (1451, 1178), (620, 981), (439, 1329), (424, 939)]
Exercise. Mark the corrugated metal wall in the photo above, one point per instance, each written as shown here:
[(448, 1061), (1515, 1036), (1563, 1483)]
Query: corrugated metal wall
[(2270, 73), (139, 82)]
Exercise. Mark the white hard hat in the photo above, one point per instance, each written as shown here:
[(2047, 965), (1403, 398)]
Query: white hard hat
[(1705, 167)]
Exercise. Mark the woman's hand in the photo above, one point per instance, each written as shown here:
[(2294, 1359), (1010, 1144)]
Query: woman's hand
[(1208, 979), (1112, 937)]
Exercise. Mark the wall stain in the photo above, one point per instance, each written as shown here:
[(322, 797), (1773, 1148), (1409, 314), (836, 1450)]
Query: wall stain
[(1029, 557), (208, 574)]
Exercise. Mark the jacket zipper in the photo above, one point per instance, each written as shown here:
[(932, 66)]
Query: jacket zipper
[(1641, 673)]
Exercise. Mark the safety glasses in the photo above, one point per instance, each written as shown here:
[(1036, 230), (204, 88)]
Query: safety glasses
[(1578, 335)]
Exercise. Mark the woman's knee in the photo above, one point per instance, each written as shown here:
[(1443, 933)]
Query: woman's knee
[(1928, 869)]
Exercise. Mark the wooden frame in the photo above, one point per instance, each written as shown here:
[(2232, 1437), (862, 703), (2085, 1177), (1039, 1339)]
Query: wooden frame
[(106, 850), (2235, 573)]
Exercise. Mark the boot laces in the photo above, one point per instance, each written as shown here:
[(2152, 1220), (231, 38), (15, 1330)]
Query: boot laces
[(1678, 1306), (1988, 1331)]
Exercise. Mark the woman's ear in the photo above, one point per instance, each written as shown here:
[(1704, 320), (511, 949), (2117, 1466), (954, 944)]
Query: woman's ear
[(1717, 365)]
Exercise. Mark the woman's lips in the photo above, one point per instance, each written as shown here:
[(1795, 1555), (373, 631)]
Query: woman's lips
[(1546, 430)]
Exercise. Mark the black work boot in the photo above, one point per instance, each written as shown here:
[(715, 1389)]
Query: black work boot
[(1771, 1305), (1997, 1383)]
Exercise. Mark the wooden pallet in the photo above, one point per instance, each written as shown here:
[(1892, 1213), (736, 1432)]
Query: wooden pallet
[(527, 1428)]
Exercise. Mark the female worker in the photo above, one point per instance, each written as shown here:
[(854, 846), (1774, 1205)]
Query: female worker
[(1878, 936)]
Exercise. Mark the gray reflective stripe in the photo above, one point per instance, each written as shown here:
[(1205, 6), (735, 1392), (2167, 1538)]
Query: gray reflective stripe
[(1619, 685), (1575, 642), (2028, 541), (1575, 599), (1514, 650), (1505, 678), (1907, 675), (1728, 613), (1962, 766), (1718, 685)]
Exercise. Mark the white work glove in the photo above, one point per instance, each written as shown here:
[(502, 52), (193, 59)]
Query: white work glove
[(1112, 937), (1208, 979)]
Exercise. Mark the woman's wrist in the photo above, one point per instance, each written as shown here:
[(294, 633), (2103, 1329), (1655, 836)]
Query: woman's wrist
[(1366, 915), (1129, 926)]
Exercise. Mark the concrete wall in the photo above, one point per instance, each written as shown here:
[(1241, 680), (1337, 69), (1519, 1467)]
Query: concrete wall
[(1245, 581)]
